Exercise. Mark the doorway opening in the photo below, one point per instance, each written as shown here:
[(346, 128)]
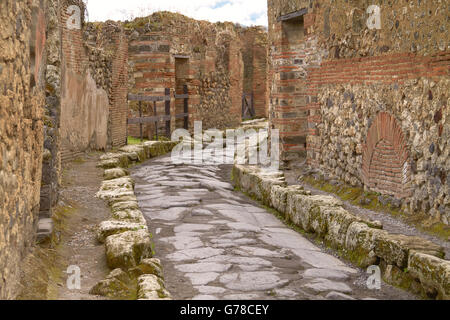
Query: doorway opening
[(181, 79)]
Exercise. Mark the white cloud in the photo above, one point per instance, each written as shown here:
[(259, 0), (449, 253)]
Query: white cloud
[(245, 12)]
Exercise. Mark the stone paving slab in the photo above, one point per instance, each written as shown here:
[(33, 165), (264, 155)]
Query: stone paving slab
[(215, 243)]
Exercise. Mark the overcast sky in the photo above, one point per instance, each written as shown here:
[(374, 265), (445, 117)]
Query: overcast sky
[(245, 12)]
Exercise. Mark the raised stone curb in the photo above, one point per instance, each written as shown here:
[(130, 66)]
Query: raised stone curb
[(150, 287), (128, 243), (413, 263)]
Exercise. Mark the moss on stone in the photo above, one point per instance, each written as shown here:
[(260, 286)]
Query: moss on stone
[(370, 200)]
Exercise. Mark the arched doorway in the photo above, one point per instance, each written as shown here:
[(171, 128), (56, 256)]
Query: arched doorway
[(385, 165)]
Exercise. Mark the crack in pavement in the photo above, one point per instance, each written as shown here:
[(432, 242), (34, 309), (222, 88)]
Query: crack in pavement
[(215, 243)]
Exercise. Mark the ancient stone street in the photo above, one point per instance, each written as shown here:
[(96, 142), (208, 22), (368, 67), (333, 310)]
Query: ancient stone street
[(215, 243), (321, 139)]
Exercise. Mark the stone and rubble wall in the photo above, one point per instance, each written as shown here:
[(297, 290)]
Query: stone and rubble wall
[(86, 86), (51, 163), (107, 45), (22, 65), (168, 50), (373, 101), (94, 84)]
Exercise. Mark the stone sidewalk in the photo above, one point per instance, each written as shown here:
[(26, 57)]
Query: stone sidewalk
[(215, 243)]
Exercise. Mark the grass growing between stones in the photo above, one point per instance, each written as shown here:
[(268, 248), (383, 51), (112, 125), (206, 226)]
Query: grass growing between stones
[(370, 200), (42, 270), (134, 141), (79, 160)]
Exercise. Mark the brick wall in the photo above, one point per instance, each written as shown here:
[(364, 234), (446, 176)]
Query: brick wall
[(293, 54), (21, 132), (376, 103), (118, 86), (215, 67), (254, 53)]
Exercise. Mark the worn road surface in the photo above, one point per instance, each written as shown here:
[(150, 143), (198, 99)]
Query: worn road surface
[(215, 243)]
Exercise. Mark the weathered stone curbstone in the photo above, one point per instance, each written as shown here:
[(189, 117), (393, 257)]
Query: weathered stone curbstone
[(109, 163), (361, 241), (278, 198), (115, 286), (360, 244), (118, 183), (338, 222), (299, 208), (148, 266), (128, 249), (157, 148), (135, 153), (108, 228), (394, 249), (124, 205), (433, 273), (150, 287), (119, 159), (129, 215), (115, 195), (115, 173)]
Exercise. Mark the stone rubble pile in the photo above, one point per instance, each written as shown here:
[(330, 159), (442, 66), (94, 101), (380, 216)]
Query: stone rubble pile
[(412, 263), (129, 249)]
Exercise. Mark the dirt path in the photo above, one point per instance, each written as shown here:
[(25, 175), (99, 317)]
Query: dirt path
[(79, 246), (215, 243)]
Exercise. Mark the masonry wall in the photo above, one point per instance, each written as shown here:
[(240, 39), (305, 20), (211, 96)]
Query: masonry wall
[(376, 100), (51, 163), (107, 47), (213, 55), (22, 54), (254, 53), (94, 82)]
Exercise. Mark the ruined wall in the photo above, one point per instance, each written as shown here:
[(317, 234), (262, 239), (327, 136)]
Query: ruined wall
[(107, 45), (22, 60), (51, 164), (254, 52), (157, 42), (213, 57), (93, 90), (376, 104), (293, 54)]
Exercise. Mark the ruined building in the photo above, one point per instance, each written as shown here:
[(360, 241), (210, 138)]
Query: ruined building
[(361, 91), (217, 62)]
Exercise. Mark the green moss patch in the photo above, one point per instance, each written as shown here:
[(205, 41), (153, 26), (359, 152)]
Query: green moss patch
[(370, 200)]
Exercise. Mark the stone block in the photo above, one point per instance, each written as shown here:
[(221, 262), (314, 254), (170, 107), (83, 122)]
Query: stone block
[(115, 173), (108, 228), (394, 249), (127, 250), (129, 215), (433, 273), (116, 286), (150, 287), (360, 244)]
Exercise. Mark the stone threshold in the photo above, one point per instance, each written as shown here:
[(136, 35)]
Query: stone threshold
[(412, 263)]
